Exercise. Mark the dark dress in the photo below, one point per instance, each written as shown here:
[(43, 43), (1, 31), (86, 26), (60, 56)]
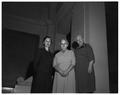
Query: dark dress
[(42, 77), (85, 82)]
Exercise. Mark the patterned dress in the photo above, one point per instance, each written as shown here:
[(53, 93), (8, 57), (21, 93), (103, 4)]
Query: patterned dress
[(64, 84)]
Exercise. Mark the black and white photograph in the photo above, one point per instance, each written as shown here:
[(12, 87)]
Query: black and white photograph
[(59, 47)]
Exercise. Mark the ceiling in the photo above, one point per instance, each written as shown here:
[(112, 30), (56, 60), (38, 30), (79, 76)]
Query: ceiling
[(31, 10)]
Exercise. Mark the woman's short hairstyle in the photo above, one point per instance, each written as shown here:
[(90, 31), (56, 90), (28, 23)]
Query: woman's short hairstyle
[(65, 40), (46, 38)]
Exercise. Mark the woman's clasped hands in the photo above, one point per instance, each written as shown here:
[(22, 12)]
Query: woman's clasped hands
[(64, 73)]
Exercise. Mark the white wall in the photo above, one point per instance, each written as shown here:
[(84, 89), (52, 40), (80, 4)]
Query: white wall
[(94, 27), (98, 40)]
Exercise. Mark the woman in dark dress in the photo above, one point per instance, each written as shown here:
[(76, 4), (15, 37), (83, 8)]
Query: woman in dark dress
[(42, 77), (84, 71)]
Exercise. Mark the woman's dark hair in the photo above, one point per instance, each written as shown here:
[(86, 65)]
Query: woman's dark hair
[(74, 45), (46, 38)]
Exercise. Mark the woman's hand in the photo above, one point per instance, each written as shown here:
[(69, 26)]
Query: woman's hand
[(61, 73), (64, 73), (90, 67)]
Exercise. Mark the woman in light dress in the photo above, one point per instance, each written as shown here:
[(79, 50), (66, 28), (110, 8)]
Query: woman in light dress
[(64, 62)]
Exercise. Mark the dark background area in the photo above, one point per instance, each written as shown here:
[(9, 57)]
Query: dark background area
[(112, 43), (18, 50)]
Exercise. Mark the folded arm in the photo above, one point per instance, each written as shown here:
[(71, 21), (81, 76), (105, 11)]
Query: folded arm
[(71, 66), (56, 66), (58, 69)]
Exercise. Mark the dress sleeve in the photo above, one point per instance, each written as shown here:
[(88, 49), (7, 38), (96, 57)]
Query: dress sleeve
[(73, 57), (90, 54), (54, 61)]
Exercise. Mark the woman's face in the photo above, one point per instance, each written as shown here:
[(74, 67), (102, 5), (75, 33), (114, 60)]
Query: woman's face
[(79, 40), (47, 42), (64, 44)]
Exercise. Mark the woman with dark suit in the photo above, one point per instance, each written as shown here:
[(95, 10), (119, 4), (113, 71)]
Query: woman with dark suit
[(42, 76)]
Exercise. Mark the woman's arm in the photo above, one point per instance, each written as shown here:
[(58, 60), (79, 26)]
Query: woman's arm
[(90, 66), (71, 66), (56, 66), (58, 69), (91, 59)]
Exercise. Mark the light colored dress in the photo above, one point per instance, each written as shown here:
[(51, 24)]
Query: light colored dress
[(64, 84)]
